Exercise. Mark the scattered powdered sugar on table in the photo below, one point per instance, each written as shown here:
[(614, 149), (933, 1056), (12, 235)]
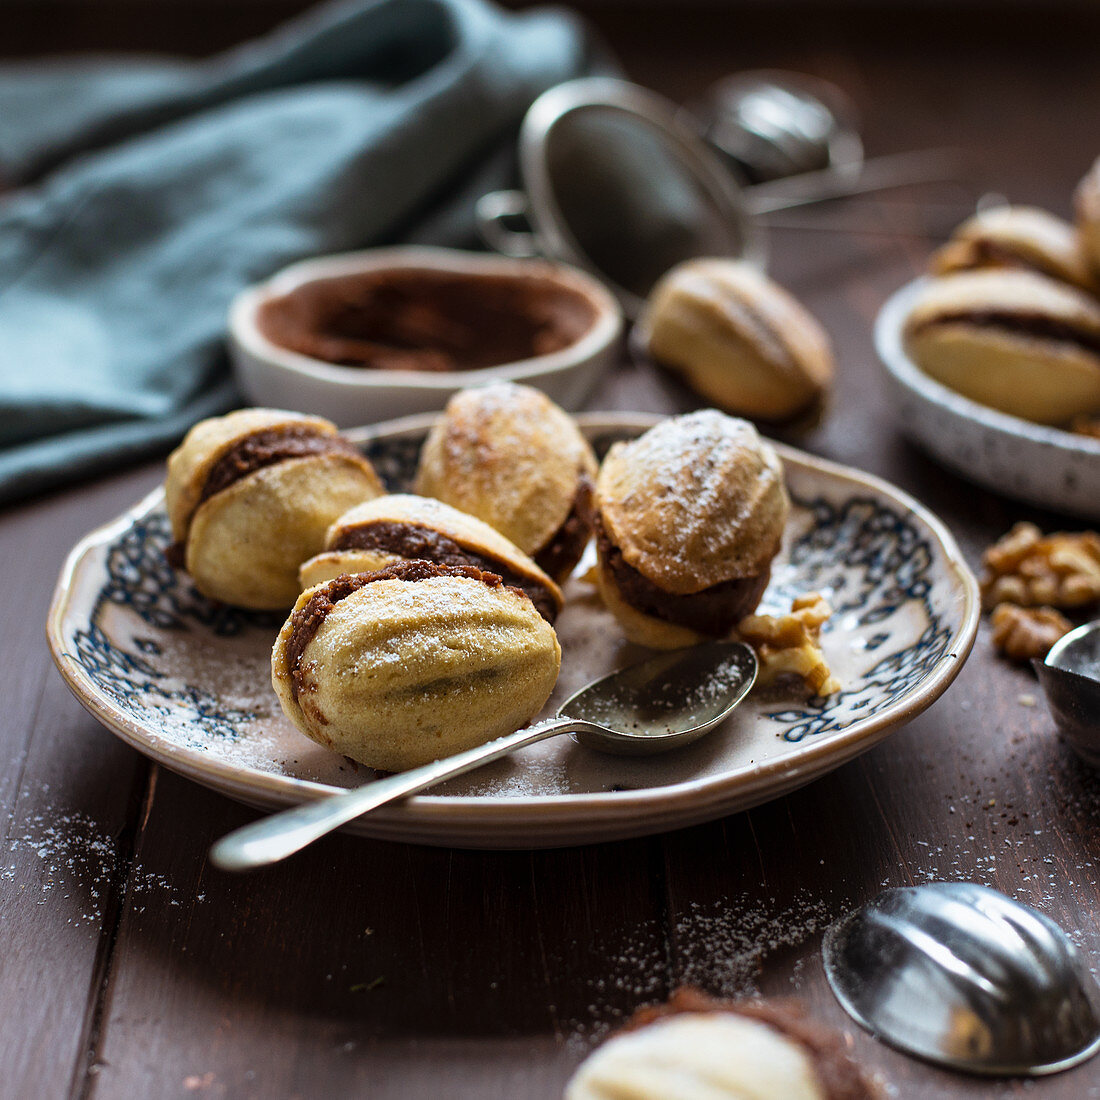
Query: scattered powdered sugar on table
[(722, 947), (78, 859), (719, 947)]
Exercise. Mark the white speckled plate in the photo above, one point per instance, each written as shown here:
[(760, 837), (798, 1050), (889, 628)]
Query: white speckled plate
[(1031, 462), (186, 681)]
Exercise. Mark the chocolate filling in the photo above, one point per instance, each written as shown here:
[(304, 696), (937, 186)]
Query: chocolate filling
[(1037, 325), (412, 540), (714, 611), (307, 620), (560, 555), (266, 448), (986, 253), (420, 319), (255, 451), (838, 1075)]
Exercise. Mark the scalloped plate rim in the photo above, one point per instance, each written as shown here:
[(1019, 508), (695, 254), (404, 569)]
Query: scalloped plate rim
[(417, 818)]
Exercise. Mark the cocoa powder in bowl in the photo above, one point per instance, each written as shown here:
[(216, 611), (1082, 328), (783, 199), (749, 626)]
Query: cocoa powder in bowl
[(421, 319)]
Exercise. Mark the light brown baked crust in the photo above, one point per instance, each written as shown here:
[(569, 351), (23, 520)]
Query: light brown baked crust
[(1017, 237), (1087, 204), (242, 544), (738, 338), (508, 455), (696, 501), (1013, 340), (445, 533), (412, 663)]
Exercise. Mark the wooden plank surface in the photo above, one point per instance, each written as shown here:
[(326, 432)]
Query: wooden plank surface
[(131, 968)]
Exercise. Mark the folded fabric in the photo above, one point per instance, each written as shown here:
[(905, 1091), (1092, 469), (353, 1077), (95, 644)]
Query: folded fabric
[(360, 124)]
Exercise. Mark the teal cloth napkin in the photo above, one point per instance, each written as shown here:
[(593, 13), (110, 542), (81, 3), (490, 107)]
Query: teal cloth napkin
[(158, 190)]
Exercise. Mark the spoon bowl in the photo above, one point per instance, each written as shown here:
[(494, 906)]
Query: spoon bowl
[(661, 704), (961, 975), (1070, 679)]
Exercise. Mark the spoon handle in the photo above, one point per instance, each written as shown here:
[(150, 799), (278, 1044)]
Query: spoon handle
[(280, 835)]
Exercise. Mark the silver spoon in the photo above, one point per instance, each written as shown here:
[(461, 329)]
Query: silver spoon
[(959, 974), (661, 704)]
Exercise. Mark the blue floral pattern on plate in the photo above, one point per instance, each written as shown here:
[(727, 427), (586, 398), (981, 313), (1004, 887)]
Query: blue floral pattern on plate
[(186, 679)]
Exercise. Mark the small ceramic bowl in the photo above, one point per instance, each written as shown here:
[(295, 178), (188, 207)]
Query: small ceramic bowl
[(1031, 462), (272, 375)]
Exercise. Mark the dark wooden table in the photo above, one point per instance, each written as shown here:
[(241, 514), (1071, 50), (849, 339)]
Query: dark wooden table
[(131, 968)]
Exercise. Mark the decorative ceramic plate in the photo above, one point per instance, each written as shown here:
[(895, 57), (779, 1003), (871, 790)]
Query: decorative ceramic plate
[(186, 681), (1031, 462)]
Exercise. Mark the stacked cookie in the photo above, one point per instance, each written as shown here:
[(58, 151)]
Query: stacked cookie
[(1011, 318)]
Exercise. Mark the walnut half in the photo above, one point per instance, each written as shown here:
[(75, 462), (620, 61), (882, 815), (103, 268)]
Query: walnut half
[(791, 643), (1021, 633), (1032, 570)]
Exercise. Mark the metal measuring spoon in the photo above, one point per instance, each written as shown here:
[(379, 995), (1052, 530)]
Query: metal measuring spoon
[(1070, 678), (661, 704), (959, 974)]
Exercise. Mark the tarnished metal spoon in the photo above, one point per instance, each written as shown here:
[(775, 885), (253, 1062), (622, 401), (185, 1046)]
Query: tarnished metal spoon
[(661, 704), (961, 975)]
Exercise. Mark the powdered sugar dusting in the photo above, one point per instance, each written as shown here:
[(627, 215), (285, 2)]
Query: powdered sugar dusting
[(695, 501), (720, 947), (79, 859)]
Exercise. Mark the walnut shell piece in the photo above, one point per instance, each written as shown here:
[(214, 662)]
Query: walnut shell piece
[(413, 663), (508, 455), (250, 496), (1026, 633), (738, 339)]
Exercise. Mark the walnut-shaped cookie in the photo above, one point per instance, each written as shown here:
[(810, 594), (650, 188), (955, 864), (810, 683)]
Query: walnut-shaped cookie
[(250, 496), (697, 1047), (688, 519), (1087, 203), (738, 339), (508, 455), (1015, 340), (413, 663), (402, 526), (1017, 237)]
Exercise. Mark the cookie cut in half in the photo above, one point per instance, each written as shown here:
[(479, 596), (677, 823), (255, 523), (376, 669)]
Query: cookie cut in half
[(697, 1047)]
